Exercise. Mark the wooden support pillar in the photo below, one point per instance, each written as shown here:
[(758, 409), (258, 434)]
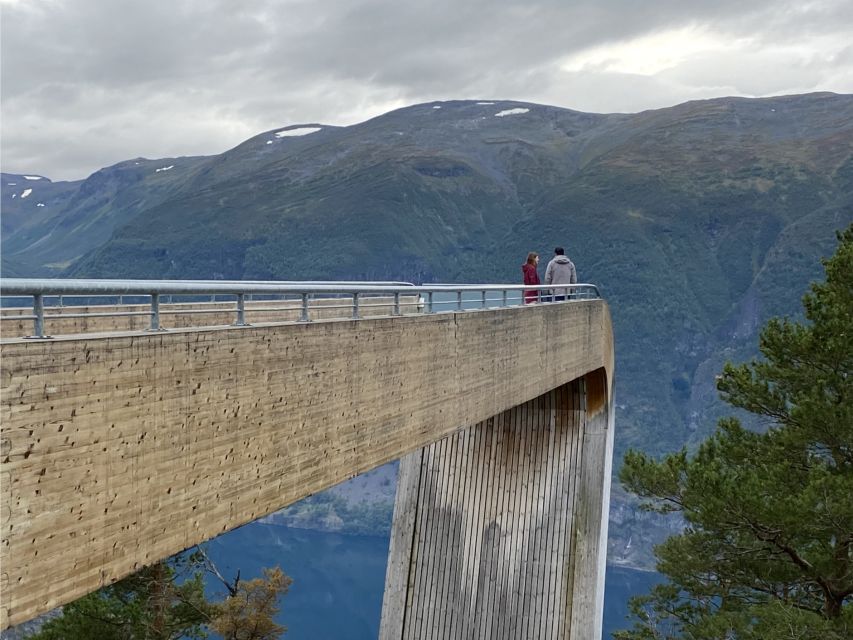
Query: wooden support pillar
[(500, 529)]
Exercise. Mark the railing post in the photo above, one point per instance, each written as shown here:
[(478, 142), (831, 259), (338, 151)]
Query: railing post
[(459, 300), (429, 302), (483, 301), (38, 319), (155, 313), (503, 297), (241, 310), (304, 316), (397, 303), (355, 315)]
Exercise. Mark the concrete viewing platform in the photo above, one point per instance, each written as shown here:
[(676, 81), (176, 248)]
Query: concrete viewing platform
[(122, 447)]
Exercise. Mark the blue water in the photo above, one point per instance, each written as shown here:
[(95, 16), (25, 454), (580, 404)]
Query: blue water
[(338, 580), (620, 585)]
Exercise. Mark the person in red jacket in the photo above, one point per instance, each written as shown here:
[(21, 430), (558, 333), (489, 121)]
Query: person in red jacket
[(531, 276)]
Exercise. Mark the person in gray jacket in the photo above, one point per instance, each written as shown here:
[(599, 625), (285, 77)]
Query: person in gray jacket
[(560, 270)]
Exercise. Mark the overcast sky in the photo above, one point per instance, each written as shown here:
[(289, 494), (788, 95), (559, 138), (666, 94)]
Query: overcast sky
[(88, 83)]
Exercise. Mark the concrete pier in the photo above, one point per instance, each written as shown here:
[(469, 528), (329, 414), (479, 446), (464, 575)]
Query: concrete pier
[(500, 529)]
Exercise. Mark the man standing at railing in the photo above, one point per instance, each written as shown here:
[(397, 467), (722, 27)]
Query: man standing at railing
[(560, 270)]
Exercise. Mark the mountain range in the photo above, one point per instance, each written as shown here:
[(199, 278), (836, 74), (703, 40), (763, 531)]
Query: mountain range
[(697, 222)]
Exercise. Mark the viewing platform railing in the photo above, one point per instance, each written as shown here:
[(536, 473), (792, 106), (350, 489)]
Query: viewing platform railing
[(293, 301)]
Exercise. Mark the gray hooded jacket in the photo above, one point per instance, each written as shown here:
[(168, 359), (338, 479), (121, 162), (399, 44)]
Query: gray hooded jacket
[(561, 270)]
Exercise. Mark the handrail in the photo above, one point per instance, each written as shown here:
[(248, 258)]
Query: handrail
[(82, 287), (54, 286), (400, 283), (40, 288)]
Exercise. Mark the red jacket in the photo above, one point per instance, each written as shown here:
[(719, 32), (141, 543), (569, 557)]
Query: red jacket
[(530, 277)]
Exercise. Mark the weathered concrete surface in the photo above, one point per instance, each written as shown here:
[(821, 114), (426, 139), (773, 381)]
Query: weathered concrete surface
[(118, 451), (498, 529)]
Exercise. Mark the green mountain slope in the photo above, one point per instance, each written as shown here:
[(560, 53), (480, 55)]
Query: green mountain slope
[(59, 222), (29, 206)]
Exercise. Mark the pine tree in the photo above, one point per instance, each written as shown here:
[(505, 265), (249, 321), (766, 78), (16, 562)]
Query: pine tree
[(768, 547), (247, 614), (164, 601), (167, 601)]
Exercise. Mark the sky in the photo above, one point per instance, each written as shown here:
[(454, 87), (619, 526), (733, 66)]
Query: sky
[(88, 83)]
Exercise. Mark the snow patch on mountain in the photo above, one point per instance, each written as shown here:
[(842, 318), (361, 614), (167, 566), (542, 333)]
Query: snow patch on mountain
[(511, 112), (171, 166), (299, 131), (26, 193)]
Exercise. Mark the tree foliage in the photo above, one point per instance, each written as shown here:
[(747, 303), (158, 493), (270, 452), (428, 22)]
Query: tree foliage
[(167, 601), (164, 601), (768, 547), (248, 613)]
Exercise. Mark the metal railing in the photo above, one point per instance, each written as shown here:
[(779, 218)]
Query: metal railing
[(353, 296)]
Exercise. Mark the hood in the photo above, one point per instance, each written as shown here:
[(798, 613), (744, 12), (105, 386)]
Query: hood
[(562, 260)]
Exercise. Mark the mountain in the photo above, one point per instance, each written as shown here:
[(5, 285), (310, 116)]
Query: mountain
[(697, 221), (47, 226), (28, 205)]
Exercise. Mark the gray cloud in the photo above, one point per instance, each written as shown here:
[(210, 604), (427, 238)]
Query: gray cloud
[(87, 83)]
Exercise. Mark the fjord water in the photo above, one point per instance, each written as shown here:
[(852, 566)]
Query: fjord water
[(338, 579)]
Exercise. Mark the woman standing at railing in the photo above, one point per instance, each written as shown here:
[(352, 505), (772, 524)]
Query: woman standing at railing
[(531, 276)]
